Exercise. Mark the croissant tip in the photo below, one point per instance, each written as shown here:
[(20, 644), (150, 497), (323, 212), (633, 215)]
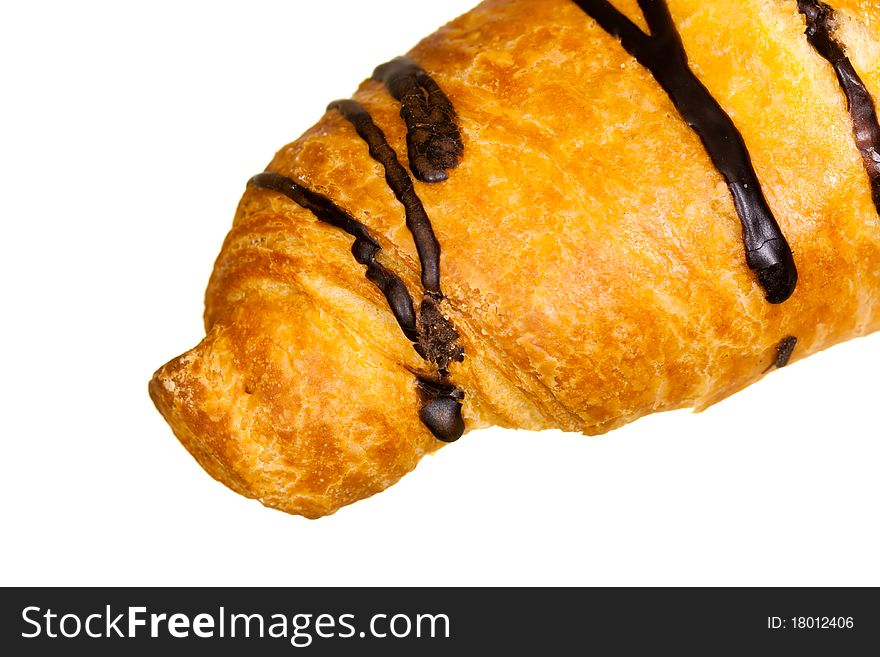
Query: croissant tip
[(162, 390)]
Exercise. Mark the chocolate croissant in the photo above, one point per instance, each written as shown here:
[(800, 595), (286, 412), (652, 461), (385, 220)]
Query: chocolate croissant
[(558, 214)]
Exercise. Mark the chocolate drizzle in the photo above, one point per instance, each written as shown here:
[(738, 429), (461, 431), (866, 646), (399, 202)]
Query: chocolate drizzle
[(432, 333), (433, 140), (364, 248), (402, 185), (662, 53), (436, 336), (820, 34)]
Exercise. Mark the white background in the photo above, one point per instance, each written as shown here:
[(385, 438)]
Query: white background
[(128, 133)]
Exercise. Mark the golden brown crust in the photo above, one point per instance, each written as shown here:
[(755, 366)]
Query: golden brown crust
[(592, 257)]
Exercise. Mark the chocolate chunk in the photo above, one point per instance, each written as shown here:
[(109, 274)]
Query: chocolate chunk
[(443, 417), (437, 335), (784, 350), (441, 409), (433, 140)]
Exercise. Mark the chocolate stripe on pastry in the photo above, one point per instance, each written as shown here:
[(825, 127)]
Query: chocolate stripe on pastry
[(432, 138), (820, 24), (432, 333), (663, 54), (364, 248), (436, 335), (402, 185)]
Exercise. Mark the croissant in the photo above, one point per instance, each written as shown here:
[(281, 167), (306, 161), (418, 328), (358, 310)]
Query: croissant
[(558, 214)]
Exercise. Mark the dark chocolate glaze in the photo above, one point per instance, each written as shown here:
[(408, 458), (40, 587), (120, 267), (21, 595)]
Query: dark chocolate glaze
[(866, 130), (784, 350), (662, 53), (402, 185), (364, 248), (436, 336), (433, 140), (441, 409), (432, 334)]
